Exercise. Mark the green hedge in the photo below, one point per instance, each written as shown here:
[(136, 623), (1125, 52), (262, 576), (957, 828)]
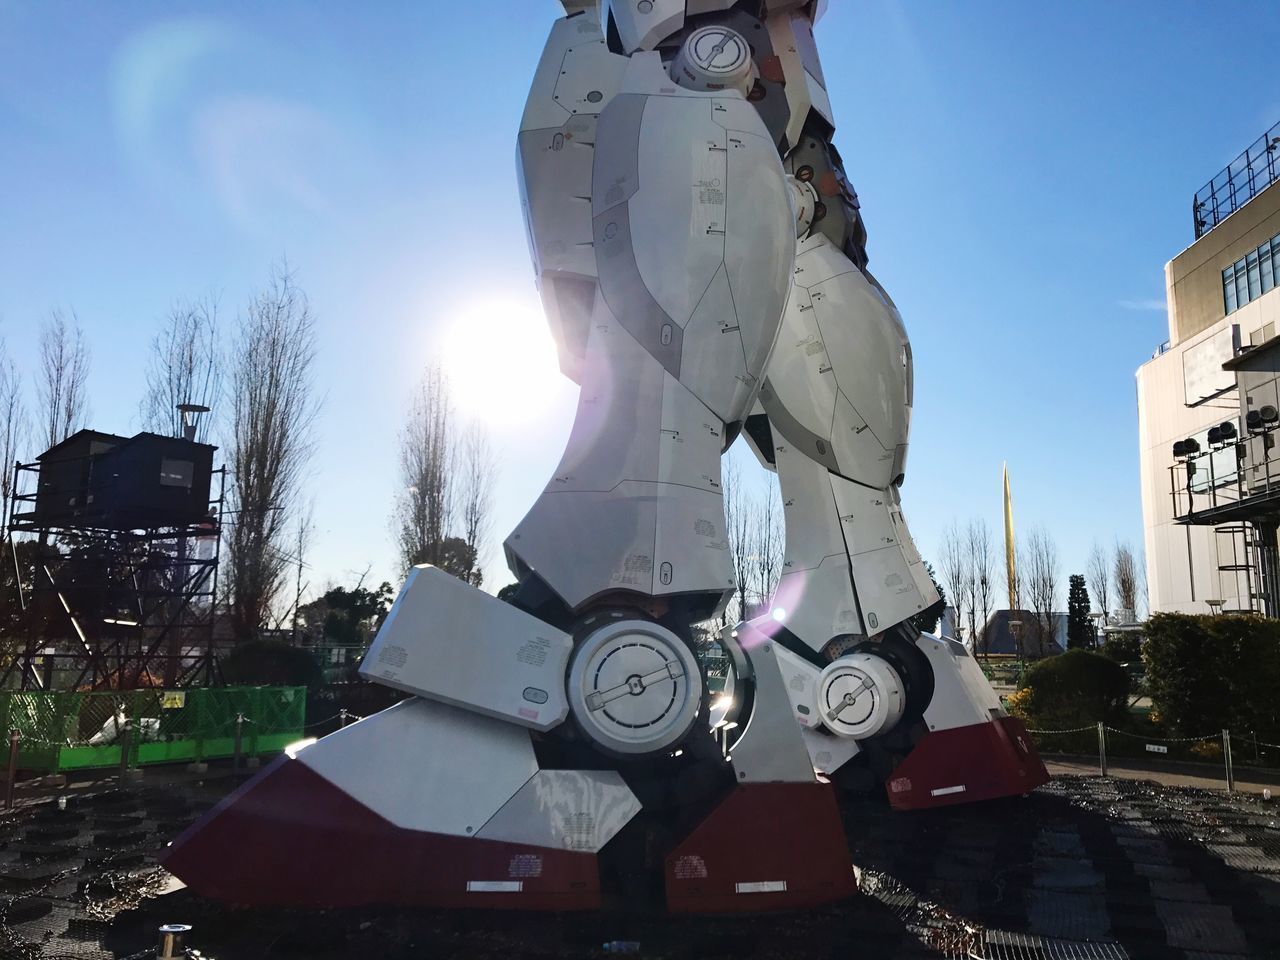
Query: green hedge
[(1075, 689), (1206, 673)]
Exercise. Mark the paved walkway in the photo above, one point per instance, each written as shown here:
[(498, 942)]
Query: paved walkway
[(1247, 781)]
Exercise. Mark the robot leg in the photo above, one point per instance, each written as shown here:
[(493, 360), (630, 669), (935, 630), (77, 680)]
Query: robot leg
[(833, 421), (552, 753)]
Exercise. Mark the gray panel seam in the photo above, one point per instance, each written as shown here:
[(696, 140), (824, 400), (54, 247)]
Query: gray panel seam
[(853, 583), (476, 832)]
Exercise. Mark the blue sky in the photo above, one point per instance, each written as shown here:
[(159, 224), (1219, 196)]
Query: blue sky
[(1025, 170)]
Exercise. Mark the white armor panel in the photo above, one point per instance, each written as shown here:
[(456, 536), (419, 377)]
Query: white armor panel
[(636, 502), (792, 36), (827, 752), (643, 24), (689, 241), (962, 696), (385, 760), (839, 381), (578, 810), (815, 591), (771, 747), (881, 555), (576, 77), (449, 641)]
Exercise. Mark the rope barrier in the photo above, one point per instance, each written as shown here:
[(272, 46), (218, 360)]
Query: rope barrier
[(1139, 736), (1072, 730)]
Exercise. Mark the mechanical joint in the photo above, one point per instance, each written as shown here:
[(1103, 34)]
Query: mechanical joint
[(715, 58), (860, 696), (804, 204)]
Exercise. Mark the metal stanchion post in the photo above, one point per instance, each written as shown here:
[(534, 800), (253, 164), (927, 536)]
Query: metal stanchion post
[(11, 779), (126, 736), (239, 740), (1226, 759), (342, 717), (173, 941), (1102, 747)]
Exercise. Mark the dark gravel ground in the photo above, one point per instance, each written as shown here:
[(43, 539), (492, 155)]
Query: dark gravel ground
[(1082, 868)]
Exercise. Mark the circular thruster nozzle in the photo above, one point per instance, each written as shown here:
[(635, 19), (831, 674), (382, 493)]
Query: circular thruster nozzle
[(634, 687), (860, 695), (714, 58)]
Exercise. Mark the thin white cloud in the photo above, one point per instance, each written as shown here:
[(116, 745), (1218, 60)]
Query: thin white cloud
[(1151, 304)]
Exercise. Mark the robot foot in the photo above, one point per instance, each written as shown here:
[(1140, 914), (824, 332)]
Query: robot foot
[(422, 804), (290, 838), (981, 761), (971, 749), (429, 805), (767, 846)]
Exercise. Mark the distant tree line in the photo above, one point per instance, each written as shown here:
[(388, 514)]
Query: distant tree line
[(258, 375), (975, 577)]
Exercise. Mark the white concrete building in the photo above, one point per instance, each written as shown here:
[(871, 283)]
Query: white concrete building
[(1209, 522)]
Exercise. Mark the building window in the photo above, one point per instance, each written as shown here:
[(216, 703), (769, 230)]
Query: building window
[(1251, 276)]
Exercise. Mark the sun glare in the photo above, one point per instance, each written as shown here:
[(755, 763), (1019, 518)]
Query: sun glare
[(501, 361)]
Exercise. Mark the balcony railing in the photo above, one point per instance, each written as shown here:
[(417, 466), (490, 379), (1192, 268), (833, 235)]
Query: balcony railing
[(1234, 480), (1242, 180)]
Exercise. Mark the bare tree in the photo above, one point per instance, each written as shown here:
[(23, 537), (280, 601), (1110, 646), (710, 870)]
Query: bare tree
[(184, 367), (1042, 585), (1125, 579), (61, 378), (1098, 573), (478, 473), (273, 411), (982, 562), (957, 573), (737, 513), (303, 536), (428, 454), (447, 471), (767, 536), (13, 427), (1144, 598)]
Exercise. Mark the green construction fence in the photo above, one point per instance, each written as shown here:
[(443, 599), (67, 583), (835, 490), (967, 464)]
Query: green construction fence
[(62, 731)]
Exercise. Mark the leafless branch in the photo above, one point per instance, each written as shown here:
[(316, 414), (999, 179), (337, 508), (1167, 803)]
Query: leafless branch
[(982, 562), (448, 471), (956, 570), (61, 378), (1125, 579), (738, 522), (1042, 585), (479, 471), (14, 427), (184, 367), (273, 411), (767, 546), (1098, 572)]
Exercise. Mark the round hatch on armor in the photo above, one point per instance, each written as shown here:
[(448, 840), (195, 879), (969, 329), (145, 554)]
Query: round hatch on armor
[(634, 687)]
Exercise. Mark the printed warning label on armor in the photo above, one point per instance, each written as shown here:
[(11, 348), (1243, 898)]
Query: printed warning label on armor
[(690, 867), (525, 865), (393, 656), (579, 831), (534, 651)]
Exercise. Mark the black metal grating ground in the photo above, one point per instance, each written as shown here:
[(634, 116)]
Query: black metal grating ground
[(1084, 869)]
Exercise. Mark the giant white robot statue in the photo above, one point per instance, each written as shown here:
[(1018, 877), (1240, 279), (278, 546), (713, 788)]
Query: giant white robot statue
[(701, 259)]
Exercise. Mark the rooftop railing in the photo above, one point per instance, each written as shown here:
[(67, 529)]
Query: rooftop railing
[(1242, 180)]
